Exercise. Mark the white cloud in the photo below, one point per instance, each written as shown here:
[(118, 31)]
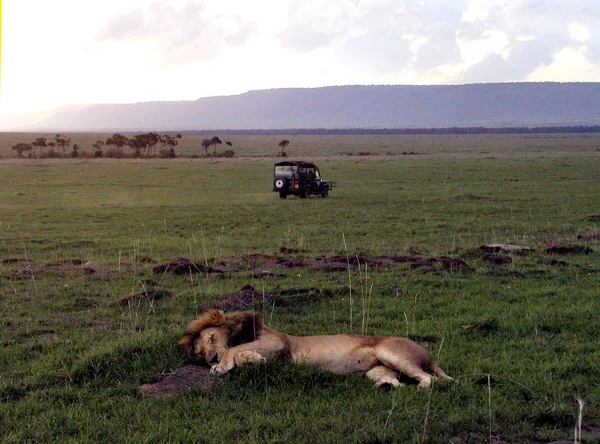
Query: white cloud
[(140, 50), (564, 64), (314, 24), (185, 34), (579, 31)]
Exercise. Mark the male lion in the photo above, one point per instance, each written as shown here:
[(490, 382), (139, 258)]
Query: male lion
[(238, 338)]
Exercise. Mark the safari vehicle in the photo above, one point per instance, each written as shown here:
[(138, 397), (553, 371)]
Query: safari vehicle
[(299, 179)]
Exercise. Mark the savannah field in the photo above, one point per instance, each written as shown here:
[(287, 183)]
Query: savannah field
[(85, 321)]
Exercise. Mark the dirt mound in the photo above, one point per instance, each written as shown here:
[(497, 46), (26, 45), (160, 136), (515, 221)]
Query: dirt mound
[(264, 266), (496, 259), (182, 381), (553, 248), (14, 260), (247, 297), (242, 299), (332, 266), (151, 294), (261, 273), (257, 258), (436, 263), (180, 265), (357, 260), (505, 248), (284, 250)]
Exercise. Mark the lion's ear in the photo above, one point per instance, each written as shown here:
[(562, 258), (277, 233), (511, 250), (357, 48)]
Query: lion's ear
[(243, 326), (187, 341)]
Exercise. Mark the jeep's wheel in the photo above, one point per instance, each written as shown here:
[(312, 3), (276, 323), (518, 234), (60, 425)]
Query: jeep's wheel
[(325, 192), (283, 194), (279, 184)]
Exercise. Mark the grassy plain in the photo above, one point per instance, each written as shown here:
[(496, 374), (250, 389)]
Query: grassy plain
[(520, 338)]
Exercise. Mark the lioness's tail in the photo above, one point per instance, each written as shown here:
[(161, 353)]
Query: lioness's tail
[(439, 372)]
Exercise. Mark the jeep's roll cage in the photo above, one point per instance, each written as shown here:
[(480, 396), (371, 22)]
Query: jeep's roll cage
[(303, 169), (299, 178)]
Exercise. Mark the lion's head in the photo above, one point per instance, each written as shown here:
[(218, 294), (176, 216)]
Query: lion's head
[(214, 332)]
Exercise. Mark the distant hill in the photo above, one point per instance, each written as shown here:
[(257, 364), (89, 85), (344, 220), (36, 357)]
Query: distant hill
[(341, 107)]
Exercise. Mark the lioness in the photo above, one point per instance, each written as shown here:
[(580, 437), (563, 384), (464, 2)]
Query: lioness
[(238, 338)]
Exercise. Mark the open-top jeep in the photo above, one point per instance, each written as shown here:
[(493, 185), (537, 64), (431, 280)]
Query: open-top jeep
[(299, 179)]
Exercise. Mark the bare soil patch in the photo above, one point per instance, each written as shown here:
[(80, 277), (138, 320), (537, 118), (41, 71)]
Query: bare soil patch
[(183, 380)]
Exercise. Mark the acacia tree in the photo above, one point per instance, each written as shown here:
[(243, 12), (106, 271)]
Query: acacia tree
[(62, 143), (39, 142), (171, 142), (137, 144), (98, 148), (118, 141), (153, 140), (282, 145), (21, 147), (205, 144), (214, 142)]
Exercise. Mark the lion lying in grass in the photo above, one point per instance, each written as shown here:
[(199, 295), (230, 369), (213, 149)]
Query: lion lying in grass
[(239, 338)]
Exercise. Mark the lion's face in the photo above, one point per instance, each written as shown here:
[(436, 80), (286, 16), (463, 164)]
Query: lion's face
[(214, 332), (210, 344)]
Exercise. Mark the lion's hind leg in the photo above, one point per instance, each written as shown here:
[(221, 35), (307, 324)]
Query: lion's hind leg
[(438, 372), (403, 357), (383, 375)]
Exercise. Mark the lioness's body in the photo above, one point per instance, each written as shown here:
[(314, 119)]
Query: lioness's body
[(240, 338)]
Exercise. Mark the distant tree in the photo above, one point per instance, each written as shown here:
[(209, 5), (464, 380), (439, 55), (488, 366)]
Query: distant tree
[(75, 151), (39, 142), (98, 148), (153, 140), (205, 144), (20, 148), (284, 143), (227, 142), (118, 141), (62, 143), (214, 142), (137, 143), (171, 142)]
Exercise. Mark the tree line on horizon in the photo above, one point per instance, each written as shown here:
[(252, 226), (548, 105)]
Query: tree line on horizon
[(584, 129), (143, 145)]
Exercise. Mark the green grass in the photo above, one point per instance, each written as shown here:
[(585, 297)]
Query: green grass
[(72, 356)]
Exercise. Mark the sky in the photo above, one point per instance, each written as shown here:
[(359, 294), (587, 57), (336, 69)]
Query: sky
[(64, 52)]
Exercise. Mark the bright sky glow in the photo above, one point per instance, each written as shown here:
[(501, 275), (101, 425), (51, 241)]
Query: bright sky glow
[(63, 52)]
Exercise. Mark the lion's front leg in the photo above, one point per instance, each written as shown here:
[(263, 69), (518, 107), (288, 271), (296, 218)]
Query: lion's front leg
[(231, 360), (222, 367), (248, 357)]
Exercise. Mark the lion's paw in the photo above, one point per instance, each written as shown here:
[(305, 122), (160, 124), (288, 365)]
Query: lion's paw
[(219, 369), (249, 357)]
